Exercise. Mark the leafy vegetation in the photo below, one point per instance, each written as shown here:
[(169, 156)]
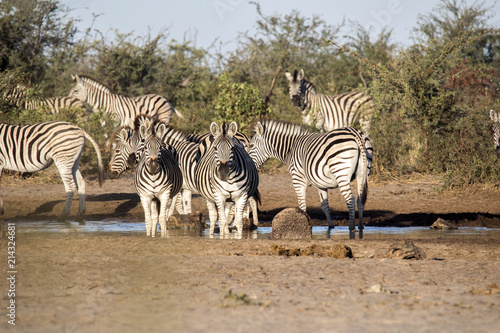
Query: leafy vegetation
[(432, 97)]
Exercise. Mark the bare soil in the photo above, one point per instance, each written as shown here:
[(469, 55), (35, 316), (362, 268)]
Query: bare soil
[(131, 283)]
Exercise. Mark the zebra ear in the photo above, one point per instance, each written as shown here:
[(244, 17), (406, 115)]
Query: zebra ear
[(144, 131), (160, 130), (259, 129), (301, 75), (214, 129), (494, 116), (233, 128), (289, 76), (124, 134)]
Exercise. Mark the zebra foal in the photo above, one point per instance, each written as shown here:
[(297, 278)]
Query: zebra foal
[(329, 112), (226, 174), (157, 176), (32, 148), (324, 160)]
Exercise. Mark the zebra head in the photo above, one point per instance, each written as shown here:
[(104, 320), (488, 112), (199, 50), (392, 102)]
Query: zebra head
[(125, 143), (297, 88), (257, 146), (152, 147), (223, 146), (78, 91), (495, 116)]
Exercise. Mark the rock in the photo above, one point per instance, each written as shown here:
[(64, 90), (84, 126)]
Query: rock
[(442, 224), (291, 223), (406, 250), (379, 288), (191, 221)]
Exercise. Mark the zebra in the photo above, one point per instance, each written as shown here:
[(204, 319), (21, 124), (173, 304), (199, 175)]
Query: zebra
[(206, 140), (19, 96), (124, 145), (329, 112), (324, 160), (31, 148), (495, 117), (127, 139), (226, 173), (123, 109), (156, 176)]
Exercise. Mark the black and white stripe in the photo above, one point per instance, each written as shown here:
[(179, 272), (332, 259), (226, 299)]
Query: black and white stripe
[(324, 160), (226, 174), (329, 112), (157, 176), (123, 109), (495, 117), (19, 96), (205, 140), (32, 148)]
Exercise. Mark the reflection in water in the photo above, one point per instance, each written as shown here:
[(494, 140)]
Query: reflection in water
[(117, 227)]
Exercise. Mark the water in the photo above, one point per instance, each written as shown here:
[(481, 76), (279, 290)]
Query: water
[(118, 227)]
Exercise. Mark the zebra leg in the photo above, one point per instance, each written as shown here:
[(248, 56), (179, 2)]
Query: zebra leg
[(80, 185), (360, 216), (165, 203), (221, 211), (155, 211), (240, 204), (178, 203), (186, 201), (323, 194), (345, 189), (172, 203), (146, 206), (255, 215), (300, 187), (212, 214), (69, 186)]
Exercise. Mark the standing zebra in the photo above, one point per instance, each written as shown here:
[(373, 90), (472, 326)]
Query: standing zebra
[(495, 116), (226, 173), (31, 148), (123, 109), (19, 96), (206, 140), (329, 112), (324, 160), (157, 176)]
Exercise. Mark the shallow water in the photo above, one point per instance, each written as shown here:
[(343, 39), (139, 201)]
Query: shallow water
[(118, 227)]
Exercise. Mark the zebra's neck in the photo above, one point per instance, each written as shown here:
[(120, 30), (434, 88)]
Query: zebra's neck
[(281, 138)]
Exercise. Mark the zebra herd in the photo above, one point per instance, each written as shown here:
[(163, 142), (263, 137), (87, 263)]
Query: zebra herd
[(221, 164)]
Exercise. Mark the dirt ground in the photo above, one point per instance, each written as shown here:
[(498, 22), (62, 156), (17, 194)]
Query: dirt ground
[(131, 283)]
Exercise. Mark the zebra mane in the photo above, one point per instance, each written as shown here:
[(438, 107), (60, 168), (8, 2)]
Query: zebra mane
[(101, 86), (140, 119), (277, 126), (114, 136)]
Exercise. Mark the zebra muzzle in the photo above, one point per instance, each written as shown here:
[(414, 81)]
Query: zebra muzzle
[(223, 171)]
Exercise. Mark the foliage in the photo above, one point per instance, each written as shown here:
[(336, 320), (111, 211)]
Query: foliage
[(239, 102), (432, 98)]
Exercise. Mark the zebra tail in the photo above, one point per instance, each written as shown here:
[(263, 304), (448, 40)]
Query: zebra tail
[(364, 176), (178, 113), (256, 196), (100, 167)]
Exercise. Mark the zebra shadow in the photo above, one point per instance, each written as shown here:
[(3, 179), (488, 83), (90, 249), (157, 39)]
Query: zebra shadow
[(131, 200)]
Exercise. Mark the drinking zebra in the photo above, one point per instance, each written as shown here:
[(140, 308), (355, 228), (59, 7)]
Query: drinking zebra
[(324, 160), (495, 117), (19, 96), (32, 148), (329, 112), (123, 109), (226, 173), (157, 176)]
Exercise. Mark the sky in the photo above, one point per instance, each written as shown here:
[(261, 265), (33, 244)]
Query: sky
[(219, 22)]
